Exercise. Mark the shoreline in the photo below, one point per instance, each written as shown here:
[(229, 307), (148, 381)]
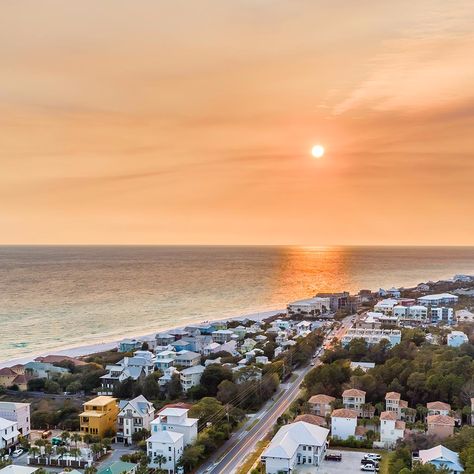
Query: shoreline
[(85, 350)]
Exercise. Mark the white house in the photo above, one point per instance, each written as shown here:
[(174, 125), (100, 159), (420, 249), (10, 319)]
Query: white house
[(261, 360), (411, 314), (391, 429), (8, 433), (394, 404), (165, 359), (222, 335), (310, 306), (438, 408), (372, 336), (343, 423), (386, 306), (393, 292), (168, 375), (438, 300), (19, 412), (134, 415), (364, 366), (439, 456), (191, 376), (296, 444), (464, 316), (164, 449), (176, 420), (457, 338)]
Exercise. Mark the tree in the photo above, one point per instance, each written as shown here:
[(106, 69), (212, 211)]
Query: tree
[(140, 435), (51, 386), (174, 388), (34, 450), (90, 470), (197, 392), (65, 436), (75, 438), (212, 376), (159, 459), (124, 390), (191, 457)]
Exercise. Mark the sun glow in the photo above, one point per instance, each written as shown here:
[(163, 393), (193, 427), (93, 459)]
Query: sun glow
[(317, 151)]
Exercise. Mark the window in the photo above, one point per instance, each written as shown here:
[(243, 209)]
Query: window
[(169, 448)]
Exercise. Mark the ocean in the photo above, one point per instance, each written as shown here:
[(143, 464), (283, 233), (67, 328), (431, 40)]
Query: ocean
[(55, 297)]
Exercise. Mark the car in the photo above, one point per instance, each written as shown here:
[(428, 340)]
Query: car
[(370, 461), (57, 441), (368, 468), (377, 457), (18, 452)]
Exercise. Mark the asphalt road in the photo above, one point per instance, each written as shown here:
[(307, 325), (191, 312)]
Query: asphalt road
[(243, 442)]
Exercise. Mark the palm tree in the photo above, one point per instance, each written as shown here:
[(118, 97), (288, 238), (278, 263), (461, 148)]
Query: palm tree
[(90, 470), (87, 439), (96, 449), (34, 450), (48, 450), (159, 459), (61, 450), (76, 437), (75, 452), (65, 435), (107, 443)]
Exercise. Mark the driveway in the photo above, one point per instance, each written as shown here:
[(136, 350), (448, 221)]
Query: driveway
[(350, 464)]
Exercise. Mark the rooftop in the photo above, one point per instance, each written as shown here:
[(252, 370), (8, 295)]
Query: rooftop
[(444, 420), (438, 406), (344, 413), (321, 398), (392, 396), (388, 415), (353, 392), (442, 454), (102, 400)]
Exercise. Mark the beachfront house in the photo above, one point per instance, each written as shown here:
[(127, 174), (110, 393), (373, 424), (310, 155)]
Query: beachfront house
[(309, 307), (438, 299), (134, 416), (222, 335), (297, 444), (43, 370), (129, 345)]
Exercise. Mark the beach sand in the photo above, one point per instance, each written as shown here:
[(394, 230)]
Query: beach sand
[(85, 350)]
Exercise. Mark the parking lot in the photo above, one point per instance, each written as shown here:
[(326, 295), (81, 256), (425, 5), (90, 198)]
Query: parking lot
[(349, 464)]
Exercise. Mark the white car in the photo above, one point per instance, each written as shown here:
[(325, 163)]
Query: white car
[(374, 456), (368, 468), (18, 452)]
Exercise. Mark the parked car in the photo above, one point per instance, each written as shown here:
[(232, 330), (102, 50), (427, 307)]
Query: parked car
[(46, 434), (57, 441), (18, 452), (333, 457), (370, 461), (368, 468), (377, 457)]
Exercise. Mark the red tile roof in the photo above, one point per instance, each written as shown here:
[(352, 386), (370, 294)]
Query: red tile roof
[(344, 413)]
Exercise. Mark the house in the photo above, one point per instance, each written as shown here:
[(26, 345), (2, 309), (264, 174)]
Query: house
[(8, 433), (422, 287), (134, 415), (262, 360), (55, 359), (440, 426), (241, 331), (43, 370), (178, 333), (7, 377), (312, 419), (386, 306), (416, 314), (457, 338), (281, 338), (129, 345), (364, 366), (99, 416), (343, 423), (222, 335), (394, 404), (464, 316), (391, 429), (181, 345), (438, 300), (135, 368), (321, 404), (373, 336), (163, 341), (245, 374), (164, 450), (439, 456), (165, 359), (176, 420), (438, 408), (19, 413), (191, 376), (296, 444), (119, 467), (187, 358), (211, 348), (354, 399), (168, 375), (248, 345), (393, 292), (309, 307), (303, 328)]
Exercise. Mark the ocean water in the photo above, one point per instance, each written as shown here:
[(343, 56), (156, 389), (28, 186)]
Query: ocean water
[(59, 297)]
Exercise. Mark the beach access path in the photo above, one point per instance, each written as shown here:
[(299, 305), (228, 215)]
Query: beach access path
[(243, 442)]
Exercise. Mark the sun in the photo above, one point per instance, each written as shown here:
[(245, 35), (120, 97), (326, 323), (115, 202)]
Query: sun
[(317, 151)]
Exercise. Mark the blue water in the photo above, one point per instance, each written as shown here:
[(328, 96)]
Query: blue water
[(57, 297)]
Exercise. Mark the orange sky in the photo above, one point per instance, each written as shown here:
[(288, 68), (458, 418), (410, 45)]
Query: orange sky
[(191, 121)]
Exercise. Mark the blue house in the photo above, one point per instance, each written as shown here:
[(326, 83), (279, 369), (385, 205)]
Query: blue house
[(439, 456)]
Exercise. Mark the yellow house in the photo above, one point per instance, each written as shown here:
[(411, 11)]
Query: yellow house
[(99, 416)]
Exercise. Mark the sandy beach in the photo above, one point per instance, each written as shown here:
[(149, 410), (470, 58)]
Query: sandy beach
[(84, 350)]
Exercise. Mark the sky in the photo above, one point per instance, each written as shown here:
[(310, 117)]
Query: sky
[(192, 122)]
